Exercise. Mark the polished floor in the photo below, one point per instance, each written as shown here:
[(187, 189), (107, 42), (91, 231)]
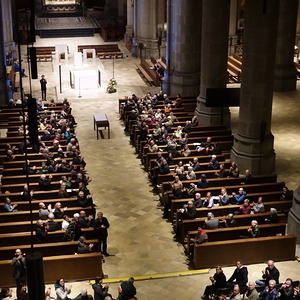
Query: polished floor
[(140, 240)]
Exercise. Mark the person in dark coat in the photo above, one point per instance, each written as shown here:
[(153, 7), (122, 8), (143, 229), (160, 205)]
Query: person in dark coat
[(218, 282), (127, 290), (100, 291), (239, 276), (101, 225)]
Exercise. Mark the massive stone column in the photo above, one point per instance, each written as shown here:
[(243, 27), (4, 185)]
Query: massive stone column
[(148, 19), (183, 48), (214, 52), (253, 143), (285, 73), (129, 27), (232, 26)]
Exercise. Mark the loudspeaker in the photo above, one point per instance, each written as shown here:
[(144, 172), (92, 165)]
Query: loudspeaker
[(35, 276), (33, 63), (32, 122)]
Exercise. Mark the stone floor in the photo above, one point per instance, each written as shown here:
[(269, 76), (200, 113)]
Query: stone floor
[(140, 240)]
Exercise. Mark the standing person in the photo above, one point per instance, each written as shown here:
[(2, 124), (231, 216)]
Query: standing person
[(19, 265), (100, 291), (127, 290), (43, 83), (101, 225)]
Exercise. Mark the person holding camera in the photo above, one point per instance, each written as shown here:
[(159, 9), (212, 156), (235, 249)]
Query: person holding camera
[(19, 265)]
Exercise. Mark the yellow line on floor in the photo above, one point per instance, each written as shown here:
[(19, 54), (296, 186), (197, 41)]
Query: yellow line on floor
[(155, 276), (298, 258)]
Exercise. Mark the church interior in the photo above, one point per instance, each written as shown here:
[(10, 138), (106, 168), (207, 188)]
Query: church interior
[(94, 53)]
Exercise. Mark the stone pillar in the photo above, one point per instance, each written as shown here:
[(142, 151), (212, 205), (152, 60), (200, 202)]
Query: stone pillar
[(285, 73), (129, 27), (183, 48), (3, 86), (214, 55), (122, 7), (293, 226), (253, 143), (146, 31), (232, 26), (7, 24)]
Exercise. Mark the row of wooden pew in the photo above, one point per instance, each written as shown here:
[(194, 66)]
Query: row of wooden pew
[(223, 240), (59, 256)]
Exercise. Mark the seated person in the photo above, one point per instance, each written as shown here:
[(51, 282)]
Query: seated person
[(218, 282), (258, 207), (83, 246), (287, 194), (201, 237), (211, 222), (252, 231), (239, 277), (248, 178), (224, 198), (41, 231), (202, 183), (270, 291), (234, 170), (245, 209), (58, 211), (230, 222), (44, 182), (85, 221), (188, 211), (213, 163), (8, 206), (273, 218), (44, 211), (190, 174), (52, 225), (222, 173), (84, 200), (239, 198), (198, 201)]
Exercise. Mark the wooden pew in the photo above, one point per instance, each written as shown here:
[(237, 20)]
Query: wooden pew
[(231, 233), (249, 188), (218, 211), (47, 249), (18, 187), (65, 266), (19, 216), (65, 202), (32, 177), (242, 220), (10, 227), (212, 254), (234, 72), (41, 195), (146, 67), (220, 182), (19, 238)]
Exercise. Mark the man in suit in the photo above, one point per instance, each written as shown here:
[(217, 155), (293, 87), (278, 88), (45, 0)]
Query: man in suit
[(101, 225), (19, 265)]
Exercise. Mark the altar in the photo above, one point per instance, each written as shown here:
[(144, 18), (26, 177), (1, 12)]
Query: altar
[(83, 79)]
